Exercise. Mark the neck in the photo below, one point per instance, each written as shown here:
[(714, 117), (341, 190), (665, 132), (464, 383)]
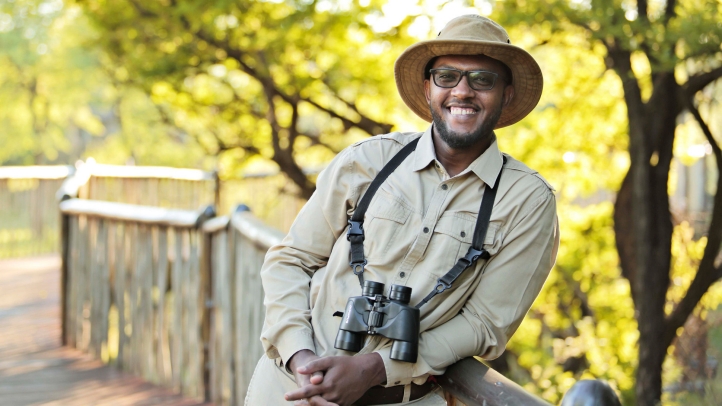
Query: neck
[(456, 161)]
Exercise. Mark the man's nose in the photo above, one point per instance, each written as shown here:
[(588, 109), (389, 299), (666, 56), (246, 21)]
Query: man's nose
[(462, 90)]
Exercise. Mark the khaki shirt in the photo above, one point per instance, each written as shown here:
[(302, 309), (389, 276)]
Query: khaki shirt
[(418, 224)]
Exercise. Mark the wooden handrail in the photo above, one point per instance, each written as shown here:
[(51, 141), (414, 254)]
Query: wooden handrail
[(255, 230), (474, 383), (36, 172), (139, 214), (160, 172)]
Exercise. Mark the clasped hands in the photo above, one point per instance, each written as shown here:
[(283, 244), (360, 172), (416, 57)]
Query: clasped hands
[(333, 381)]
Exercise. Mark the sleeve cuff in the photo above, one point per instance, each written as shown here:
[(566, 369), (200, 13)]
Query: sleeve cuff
[(397, 372), (291, 343)]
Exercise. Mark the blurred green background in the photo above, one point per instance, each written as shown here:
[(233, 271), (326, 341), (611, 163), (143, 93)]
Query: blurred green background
[(243, 87)]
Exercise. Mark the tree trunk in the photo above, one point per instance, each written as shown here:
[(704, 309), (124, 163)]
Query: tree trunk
[(643, 226)]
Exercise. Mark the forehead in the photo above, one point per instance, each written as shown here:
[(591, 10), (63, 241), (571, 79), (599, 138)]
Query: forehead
[(469, 62)]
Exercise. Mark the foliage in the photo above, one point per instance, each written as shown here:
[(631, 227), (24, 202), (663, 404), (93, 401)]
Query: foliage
[(285, 84), (45, 82), (661, 56), (293, 82)]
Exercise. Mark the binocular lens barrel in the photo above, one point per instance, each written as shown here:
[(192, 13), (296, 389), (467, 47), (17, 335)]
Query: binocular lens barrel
[(372, 288), (404, 351), (400, 293), (348, 341)]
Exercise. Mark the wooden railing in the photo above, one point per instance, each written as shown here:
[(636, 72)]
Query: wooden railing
[(175, 188), (238, 245), (28, 210), (133, 293), (175, 296)]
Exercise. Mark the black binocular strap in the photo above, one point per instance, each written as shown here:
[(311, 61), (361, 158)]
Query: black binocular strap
[(476, 250), (355, 232)]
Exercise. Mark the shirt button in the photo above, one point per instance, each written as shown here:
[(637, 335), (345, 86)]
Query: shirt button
[(402, 274), (463, 234), (444, 187), (426, 229)]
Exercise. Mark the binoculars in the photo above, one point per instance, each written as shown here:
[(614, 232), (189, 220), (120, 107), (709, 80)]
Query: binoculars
[(373, 313)]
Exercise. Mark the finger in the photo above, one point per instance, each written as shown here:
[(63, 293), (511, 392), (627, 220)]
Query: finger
[(320, 364), (319, 401), (304, 392), (316, 378)]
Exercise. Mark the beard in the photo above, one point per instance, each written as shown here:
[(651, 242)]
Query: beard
[(457, 140)]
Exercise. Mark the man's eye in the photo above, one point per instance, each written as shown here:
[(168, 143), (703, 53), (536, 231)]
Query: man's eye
[(483, 79)]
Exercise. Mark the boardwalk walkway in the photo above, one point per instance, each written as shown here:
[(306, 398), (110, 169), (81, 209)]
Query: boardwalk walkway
[(35, 369)]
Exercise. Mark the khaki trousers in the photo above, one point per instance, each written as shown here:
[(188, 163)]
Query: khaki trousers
[(270, 382)]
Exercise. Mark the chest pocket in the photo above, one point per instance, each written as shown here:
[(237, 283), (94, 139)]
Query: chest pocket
[(385, 219), (452, 238)]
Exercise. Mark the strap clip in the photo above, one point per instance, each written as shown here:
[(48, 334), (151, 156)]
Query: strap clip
[(356, 266), (472, 255), (355, 228), (441, 286)]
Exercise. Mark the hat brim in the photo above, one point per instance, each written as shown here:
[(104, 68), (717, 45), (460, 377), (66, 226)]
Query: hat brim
[(527, 76)]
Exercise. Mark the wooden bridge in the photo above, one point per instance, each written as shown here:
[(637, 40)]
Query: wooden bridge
[(146, 303), (36, 369)]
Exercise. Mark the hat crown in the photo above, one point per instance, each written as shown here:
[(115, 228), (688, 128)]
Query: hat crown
[(474, 28)]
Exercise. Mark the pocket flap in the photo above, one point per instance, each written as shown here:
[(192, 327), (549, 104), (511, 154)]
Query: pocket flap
[(386, 207)]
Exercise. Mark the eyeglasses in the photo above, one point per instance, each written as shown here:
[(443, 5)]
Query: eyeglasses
[(477, 79)]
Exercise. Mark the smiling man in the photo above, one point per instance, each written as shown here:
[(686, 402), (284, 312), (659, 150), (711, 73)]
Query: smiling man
[(417, 249)]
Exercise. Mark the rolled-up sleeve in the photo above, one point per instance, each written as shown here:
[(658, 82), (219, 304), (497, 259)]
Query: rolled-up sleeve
[(511, 281), (288, 268)]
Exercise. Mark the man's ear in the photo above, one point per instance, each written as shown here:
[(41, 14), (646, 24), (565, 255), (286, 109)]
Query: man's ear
[(427, 88), (508, 95)]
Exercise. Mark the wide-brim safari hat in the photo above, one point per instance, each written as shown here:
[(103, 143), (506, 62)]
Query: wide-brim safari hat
[(470, 35)]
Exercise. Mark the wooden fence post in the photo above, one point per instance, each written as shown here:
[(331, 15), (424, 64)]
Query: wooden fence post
[(64, 256), (206, 286)]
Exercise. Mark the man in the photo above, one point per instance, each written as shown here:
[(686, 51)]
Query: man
[(468, 81)]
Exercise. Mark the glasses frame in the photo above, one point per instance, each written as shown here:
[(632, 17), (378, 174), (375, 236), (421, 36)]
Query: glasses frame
[(463, 73)]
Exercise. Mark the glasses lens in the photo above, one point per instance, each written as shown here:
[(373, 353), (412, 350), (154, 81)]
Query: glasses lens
[(481, 80), (446, 77)]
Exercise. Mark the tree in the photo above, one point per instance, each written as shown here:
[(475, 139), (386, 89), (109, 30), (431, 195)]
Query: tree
[(665, 54), (279, 80), (43, 74)]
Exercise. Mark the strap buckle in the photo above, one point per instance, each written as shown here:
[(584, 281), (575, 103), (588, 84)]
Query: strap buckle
[(355, 228), (473, 255)]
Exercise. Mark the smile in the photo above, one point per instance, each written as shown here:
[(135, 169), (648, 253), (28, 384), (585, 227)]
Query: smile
[(461, 110)]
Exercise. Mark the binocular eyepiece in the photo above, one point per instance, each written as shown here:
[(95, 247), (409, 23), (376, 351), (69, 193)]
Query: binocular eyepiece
[(373, 313)]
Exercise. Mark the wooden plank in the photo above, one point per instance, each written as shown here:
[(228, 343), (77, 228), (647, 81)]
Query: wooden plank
[(194, 309), (147, 352), (121, 292), (70, 318), (130, 212), (176, 287), (36, 369), (250, 290), (162, 353), (135, 316), (475, 384), (65, 254)]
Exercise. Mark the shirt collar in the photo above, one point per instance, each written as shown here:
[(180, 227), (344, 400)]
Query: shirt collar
[(486, 167)]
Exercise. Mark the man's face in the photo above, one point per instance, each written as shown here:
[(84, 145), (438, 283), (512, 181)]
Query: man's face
[(463, 116)]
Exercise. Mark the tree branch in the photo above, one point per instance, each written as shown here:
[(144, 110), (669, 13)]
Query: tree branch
[(642, 10), (707, 274), (700, 81), (669, 11)]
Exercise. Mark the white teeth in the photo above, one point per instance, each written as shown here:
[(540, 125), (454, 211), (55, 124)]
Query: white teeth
[(462, 111)]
